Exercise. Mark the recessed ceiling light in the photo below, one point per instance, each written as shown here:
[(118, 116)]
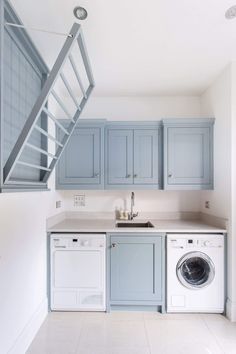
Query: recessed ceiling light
[(80, 13), (231, 13)]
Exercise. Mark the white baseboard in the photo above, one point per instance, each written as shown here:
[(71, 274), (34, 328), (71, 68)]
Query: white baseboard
[(231, 310), (26, 337)]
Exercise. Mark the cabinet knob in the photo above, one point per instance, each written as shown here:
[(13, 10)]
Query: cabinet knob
[(170, 175), (113, 245), (135, 175), (96, 175), (128, 176)]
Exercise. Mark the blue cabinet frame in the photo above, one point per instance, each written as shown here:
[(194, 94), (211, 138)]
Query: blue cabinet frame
[(82, 162), (133, 155), (146, 157), (188, 154), (119, 152), (139, 155), (136, 270)]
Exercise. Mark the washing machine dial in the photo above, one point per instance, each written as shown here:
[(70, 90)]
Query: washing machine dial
[(85, 243), (206, 243)]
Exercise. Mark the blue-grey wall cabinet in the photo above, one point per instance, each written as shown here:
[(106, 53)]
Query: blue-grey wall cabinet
[(146, 156), (82, 164), (132, 156), (188, 154), (120, 156), (136, 269)]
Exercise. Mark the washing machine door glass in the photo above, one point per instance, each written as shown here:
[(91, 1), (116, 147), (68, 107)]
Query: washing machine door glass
[(195, 270)]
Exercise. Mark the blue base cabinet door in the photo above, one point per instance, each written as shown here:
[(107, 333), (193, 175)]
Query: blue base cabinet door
[(188, 154), (136, 269), (81, 164)]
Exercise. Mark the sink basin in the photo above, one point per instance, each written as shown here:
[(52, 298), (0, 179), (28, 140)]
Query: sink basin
[(135, 224)]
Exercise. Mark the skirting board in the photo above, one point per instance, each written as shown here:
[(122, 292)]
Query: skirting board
[(26, 337), (231, 310)]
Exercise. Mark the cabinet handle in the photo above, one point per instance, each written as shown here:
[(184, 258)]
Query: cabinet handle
[(113, 245), (170, 175), (135, 175), (128, 176)]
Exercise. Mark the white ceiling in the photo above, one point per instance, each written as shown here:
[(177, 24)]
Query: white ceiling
[(146, 48)]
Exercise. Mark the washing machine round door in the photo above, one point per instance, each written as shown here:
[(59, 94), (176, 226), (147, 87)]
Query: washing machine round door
[(195, 270)]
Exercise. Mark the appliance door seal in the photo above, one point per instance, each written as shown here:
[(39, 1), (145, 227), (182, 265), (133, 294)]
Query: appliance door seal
[(195, 270)]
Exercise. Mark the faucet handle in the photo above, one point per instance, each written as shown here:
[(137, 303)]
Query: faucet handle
[(135, 214)]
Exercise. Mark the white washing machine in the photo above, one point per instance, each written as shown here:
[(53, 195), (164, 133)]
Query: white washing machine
[(195, 273)]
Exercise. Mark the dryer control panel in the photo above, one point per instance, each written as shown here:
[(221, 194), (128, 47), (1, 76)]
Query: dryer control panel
[(77, 241)]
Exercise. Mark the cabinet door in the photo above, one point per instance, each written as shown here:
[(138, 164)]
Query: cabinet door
[(120, 156), (136, 268), (188, 156), (80, 163), (146, 156)]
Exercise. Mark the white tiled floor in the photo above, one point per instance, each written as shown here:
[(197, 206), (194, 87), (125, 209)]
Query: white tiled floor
[(134, 333)]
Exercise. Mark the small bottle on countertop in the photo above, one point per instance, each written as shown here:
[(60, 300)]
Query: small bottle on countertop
[(121, 214), (126, 215)]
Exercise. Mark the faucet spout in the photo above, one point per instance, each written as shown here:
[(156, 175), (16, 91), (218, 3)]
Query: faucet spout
[(132, 214)]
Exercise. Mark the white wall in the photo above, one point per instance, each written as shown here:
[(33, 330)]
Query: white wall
[(219, 101), (232, 241), (23, 298), (142, 108), (216, 102), (145, 201)]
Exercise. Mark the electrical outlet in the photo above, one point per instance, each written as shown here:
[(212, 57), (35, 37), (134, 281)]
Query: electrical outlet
[(79, 200), (58, 204), (207, 204)]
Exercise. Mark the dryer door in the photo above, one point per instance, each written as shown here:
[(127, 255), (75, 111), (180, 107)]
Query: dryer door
[(195, 270)]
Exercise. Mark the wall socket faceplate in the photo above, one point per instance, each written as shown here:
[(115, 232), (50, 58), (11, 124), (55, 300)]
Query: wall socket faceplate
[(79, 200), (58, 204)]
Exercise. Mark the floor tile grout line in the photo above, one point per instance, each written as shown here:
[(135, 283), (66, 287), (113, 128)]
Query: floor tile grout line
[(81, 331), (146, 333), (213, 334)]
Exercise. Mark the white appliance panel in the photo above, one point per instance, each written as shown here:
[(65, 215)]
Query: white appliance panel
[(78, 269), (77, 272), (209, 298)]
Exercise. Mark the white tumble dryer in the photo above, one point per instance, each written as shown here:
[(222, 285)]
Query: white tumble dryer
[(195, 273), (77, 272)]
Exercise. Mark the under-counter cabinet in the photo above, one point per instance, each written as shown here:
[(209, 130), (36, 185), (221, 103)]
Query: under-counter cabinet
[(188, 154), (132, 156), (82, 163), (135, 268)]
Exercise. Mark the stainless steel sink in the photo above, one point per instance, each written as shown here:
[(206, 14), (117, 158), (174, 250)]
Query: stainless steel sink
[(147, 224)]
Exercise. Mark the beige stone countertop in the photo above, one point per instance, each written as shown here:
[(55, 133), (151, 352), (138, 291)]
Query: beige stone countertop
[(109, 226)]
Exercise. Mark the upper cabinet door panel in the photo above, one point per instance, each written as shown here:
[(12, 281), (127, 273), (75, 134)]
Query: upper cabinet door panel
[(189, 156), (81, 160), (146, 156), (120, 156)]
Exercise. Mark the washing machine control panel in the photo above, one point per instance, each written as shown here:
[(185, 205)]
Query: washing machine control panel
[(192, 242)]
